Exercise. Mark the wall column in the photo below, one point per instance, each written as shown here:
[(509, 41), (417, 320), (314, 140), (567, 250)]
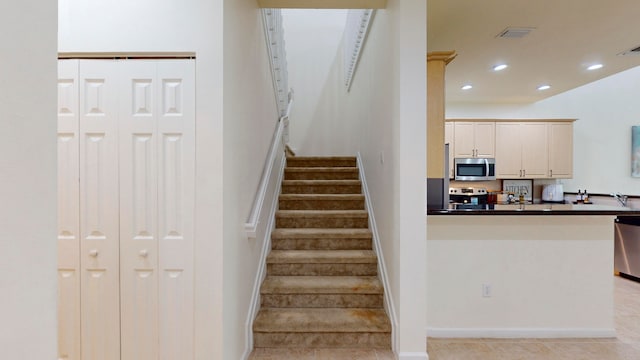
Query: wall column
[(436, 63)]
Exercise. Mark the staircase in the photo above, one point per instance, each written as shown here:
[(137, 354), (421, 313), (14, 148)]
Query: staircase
[(321, 288)]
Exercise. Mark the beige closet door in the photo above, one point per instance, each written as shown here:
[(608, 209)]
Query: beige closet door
[(99, 228), (68, 212)]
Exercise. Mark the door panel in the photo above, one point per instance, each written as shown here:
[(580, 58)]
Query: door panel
[(176, 131), (138, 210), (99, 250), (68, 212)]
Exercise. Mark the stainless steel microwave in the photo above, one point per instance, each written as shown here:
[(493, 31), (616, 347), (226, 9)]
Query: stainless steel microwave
[(474, 169)]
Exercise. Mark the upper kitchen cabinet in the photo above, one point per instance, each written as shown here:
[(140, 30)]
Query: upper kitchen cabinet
[(522, 150), (474, 139), (560, 150)]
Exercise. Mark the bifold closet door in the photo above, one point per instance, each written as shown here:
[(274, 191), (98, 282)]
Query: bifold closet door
[(68, 212), (99, 209), (126, 174), (157, 151)]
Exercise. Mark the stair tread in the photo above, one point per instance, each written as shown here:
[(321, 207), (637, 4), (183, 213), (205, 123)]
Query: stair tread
[(324, 233), (321, 213), (321, 285), (322, 256), (321, 197), (321, 169), (321, 320), (321, 182), (305, 158)]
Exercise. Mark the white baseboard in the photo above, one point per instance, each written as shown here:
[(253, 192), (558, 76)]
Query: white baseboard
[(413, 356), (513, 333)]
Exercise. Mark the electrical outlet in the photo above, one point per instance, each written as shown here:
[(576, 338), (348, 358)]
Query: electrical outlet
[(486, 290)]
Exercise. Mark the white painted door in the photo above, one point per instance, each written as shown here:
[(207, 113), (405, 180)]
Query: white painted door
[(136, 165), (157, 200), (99, 206), (68, 212)]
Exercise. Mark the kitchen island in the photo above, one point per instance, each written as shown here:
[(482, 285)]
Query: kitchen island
[(537, 271)]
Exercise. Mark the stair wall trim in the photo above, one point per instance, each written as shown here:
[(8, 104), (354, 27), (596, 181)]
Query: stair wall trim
[(262, 266), (274, 157), (382, 269)]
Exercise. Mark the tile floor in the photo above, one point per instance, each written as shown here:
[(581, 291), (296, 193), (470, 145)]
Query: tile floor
[(625, 347)]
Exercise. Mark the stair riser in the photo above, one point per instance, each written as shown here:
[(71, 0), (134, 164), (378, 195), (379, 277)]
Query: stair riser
[(302, 162), (322, 269), (323, 340), (321, 204), (321, 244), (320, 175), (322, 300), (323, 222), (321, 189)]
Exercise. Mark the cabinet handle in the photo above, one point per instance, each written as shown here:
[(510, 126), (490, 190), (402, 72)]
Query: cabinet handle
[(93, 253), (550, 172), (520, 172), (524, 173), (144, 253)]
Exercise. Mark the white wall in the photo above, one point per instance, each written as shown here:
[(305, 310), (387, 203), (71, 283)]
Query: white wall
[(28, 244), (313, 38), (250, 118), (383, 118), (169, 26), (605, 109)]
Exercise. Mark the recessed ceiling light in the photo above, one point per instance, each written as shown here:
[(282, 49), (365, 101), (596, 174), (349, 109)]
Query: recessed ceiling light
[(500, 67), (544, 87), (595, 67), (467, 87)]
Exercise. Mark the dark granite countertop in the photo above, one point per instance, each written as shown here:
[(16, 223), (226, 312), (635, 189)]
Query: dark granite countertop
[(538, 209)]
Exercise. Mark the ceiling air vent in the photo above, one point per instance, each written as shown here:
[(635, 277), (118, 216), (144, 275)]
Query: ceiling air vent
[(634, 51), (515, 33)]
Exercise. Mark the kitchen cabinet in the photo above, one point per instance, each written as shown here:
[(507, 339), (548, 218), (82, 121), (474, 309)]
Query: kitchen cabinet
[(448, 139), (560, 150), (522, 150), (474, 139)]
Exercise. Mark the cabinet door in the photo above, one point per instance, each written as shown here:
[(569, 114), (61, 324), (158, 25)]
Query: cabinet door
[(508, 150), (560, 150), (449, 139), (484, 139), (463, 139), (535, 150)]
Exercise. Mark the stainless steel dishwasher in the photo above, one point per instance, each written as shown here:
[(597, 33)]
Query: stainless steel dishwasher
[(627, 245)]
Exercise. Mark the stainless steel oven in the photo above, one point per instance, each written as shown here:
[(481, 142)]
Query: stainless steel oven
[(475, 169)]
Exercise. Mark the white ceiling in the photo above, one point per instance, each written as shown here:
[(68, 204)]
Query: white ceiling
[(569, 35)]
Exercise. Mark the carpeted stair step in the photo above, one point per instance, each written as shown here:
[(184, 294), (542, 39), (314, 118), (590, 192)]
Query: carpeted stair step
[(321, 202), (321, 187), (322, 219), (324, 161), (331, 328), (322, 263), (321, 292), (321, 173), (321, 239)]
